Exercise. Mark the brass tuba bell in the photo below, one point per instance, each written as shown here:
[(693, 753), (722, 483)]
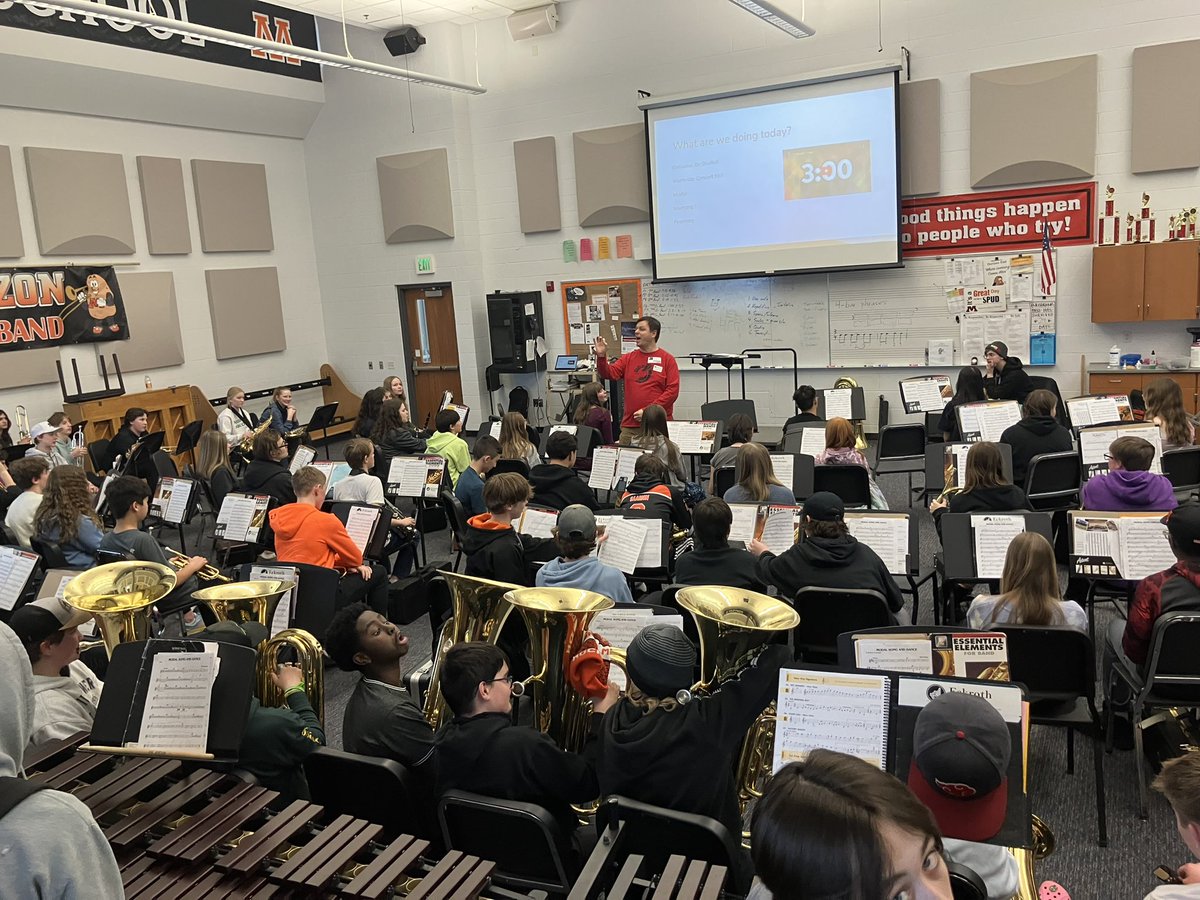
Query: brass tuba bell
[(860, 434), (120, 596), (245, 601), (310, 658)]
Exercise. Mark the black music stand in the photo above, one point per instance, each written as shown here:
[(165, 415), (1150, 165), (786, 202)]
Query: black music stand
[(192, 503), (15, 452), (913, 573), (728, 361), (322, 418), (140, 461), (957, 559), (189, 437), (935, 466), (379, 534), (858, 403)]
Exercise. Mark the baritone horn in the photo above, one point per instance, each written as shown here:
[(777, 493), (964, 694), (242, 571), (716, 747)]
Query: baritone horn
[(310, 657), (245, 601), (860, 435), (479, 609), (120, 596)]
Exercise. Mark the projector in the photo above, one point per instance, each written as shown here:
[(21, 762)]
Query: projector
[(531, 23)]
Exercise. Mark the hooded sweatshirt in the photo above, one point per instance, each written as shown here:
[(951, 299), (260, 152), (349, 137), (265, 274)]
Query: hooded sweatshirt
[(1013, 383), (453, 449), (1121, 490), (304, 534), (987, 499), (488, 755), (64, 704), (1031, 436), (588, 574), (558, 487), (265, 476), (648, 495), (50, 844), (495, 550), (840, 562)]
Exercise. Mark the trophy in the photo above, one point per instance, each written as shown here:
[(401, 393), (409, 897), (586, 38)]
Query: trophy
[(1191, 223), (1171, 235), (1129, 228), (1144, 231), (1109, 223)]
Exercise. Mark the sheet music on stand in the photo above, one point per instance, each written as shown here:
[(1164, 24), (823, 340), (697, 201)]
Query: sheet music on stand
[(631, 544), (538, 522), (361, 522), (1094, 443), (569, 429), (988, 420), (242, 517), (946, 654), (693, 436), (1127, 545), (926, 393), (171, 499), (612, 463), (885, 533), (1099, 409), (954, 461), (333, 471), (16, 565), (283, 612), (991, 535), (812, 441), (842, 711), (838, 403), (620, 625), (784, 465), (178, 702), (416, 476), (301, 458), (494, 429)]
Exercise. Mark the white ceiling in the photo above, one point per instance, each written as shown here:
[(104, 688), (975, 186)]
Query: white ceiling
[(386, 14)]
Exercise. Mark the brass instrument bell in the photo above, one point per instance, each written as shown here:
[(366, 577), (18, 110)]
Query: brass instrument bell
[(245, 601), (733, 625), (310, 658), (120, 596)]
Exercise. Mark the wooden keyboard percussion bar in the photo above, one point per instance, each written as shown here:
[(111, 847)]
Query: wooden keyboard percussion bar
[(179, 831)]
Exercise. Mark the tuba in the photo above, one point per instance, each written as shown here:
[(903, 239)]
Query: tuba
[(1043, 846), (244, 601), (310, 658), (734, 625), (860, 435), (120, 596), (479, 609)]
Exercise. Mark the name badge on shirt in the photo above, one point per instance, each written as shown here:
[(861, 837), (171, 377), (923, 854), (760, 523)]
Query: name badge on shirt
[(656, 359), (657, 368)]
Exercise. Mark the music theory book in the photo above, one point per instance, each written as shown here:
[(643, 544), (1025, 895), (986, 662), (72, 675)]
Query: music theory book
[(986, 421), (416, 476), (1099, 409), (242, 517), (979, 655), (926, 394), (1094, 443), (171, 499), (693, 437), (1126, 545), (611, 464)]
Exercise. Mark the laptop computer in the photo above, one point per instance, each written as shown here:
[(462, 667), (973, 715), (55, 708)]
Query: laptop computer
[(566, 363)]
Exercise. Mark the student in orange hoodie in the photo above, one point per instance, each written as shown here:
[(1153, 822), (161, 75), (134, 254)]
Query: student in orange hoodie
[(304, 534)]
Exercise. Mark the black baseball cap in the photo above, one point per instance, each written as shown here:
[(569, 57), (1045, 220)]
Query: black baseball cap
[(824, 506), (39, 619)]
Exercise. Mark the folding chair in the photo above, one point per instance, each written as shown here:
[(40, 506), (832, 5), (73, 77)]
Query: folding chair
[(851, 483), (368, 787), (1052, 482), (901, 451)]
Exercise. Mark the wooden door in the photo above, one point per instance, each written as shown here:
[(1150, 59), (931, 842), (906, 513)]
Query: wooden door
[(1118, 275), (430, 350), (1172, 281)]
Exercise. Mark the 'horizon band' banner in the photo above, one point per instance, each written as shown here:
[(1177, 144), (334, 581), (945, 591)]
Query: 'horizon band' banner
[(49, 306)]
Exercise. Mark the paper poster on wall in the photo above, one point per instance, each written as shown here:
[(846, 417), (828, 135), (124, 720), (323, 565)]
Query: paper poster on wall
[(578, 336), (595, 313), (603, 248), (1041, 349), (996, 275), (1020, 288), (971, 339), (1042, 317), (585, 249), (574, 313), (628, 341), (624, 246), (956, 300), (569, 251)]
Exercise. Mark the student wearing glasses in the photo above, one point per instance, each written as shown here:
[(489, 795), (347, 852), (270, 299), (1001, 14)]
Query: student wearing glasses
[(268, 472)]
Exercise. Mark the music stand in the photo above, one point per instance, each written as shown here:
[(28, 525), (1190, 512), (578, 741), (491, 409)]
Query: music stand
[(141, 456), (913, 573), (322, 418), (379, 535), (957, 559), (189, 437), (935, 466), (858, 403), (15, 452)]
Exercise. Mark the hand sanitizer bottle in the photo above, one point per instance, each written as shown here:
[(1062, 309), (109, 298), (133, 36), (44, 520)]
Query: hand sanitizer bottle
[(1153, 360)]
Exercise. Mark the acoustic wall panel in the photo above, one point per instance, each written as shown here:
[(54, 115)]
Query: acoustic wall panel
[(164, 205), (11, 244), (80, 202), (22, 368), (1034, 123), (537, 185), (155, 341), (414, 194), (920, 137), (246, 312), (1166, 108), (232, 206), (610, 175)]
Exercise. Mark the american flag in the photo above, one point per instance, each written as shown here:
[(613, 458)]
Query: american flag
[(1048, 275)]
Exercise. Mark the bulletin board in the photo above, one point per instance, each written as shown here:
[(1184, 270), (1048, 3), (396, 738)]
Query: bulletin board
[(599, 309)]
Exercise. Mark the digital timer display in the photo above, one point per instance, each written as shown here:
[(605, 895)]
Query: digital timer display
[(826, 171)]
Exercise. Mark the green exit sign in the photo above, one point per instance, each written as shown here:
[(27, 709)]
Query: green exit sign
[(425, 265)]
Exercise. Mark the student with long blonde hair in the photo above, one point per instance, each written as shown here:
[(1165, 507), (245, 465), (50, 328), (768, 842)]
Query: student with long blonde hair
[(212, 466), (514, 440), (1029, 590), (1164, 406), (67, 518), (756, 479), (984, 486), (840, 451)]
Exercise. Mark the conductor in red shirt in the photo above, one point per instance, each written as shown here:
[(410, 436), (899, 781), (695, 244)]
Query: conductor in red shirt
[(649, 373)]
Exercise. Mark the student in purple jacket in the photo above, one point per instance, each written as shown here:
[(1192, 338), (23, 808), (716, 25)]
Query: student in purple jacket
[(1129, 484)]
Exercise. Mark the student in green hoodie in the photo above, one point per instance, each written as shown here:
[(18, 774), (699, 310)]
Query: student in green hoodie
[(447, 444)]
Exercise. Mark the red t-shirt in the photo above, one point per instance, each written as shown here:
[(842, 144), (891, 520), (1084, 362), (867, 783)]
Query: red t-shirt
[(648, 377)]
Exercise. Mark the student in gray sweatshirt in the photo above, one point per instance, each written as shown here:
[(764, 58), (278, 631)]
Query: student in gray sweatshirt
[(575, 535)]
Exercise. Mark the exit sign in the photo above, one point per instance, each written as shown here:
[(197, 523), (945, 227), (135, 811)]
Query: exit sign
[(425, 265)]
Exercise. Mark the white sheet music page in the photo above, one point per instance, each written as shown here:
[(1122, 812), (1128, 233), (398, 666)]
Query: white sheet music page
[(16, 566), (623, 546), (997, 417), (1095, 536), (745, 518), (619, 626), (992, 535), (178, 702), (912, 653), (923, 396), (886, 535), (604, 468), (779, 528), (570, 429), (832, 711), (304, 455), (1145, 546), (538, 523), (627, 458), (970, 421), (686, 435), (279, 573), (237, 511), (838, 403), (1101, 409), (812, 441), (360, 525), (784, 465), (406, 475), (174, 498)]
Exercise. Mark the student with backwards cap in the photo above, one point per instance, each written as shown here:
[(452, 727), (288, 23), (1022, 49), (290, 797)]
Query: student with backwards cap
[(662, 745), (576, 536)]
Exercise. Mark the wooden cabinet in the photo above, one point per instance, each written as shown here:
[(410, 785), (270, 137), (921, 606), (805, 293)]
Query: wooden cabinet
[(1118, 382), (1146, 282)]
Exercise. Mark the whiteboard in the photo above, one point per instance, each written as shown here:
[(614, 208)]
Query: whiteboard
[(732, 315), (888, 317)]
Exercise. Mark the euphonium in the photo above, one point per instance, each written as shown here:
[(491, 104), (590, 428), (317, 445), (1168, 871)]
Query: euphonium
[(120, 596), (310, 659), (479, 608), (860, 435), (1043, 846), (245, 601), (178, 559), (558, 620)]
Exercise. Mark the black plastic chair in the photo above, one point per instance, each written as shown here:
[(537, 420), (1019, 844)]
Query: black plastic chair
[(933, 434), (724, 478), (529, 847), (723, 410), (901, 451), (516, 466), (1170, 678), (51, 554), (1057, 667), (851, 483), (965, 883), (827, 612), (369, 787), (1045, 383), (457, 517), (1052, 482), (1182, 467), (316, 597), (98, 453)]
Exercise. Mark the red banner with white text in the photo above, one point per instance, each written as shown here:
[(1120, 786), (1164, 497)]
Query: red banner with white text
[(999, 221)]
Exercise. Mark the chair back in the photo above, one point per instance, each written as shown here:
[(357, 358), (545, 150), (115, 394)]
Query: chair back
[(50, 552), (885, 412), (517, 466), (851, 483), (1182, 467), (1052, 481), (933, 434), (1045, 383), (368, 787), (587, 438), (827, 612), (657, 833), (723, 410), (455, 514), (98, 453), (965, 882), (1173, 666), (1054, 663), (901, 442), (723, 479), (316, 598), (529, 847)]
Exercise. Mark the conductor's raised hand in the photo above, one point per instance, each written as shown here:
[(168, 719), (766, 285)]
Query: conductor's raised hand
[(600, 345)]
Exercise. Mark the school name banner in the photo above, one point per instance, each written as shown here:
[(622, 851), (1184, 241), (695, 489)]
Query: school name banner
[(999, 221), (248, 17), (51, 306)]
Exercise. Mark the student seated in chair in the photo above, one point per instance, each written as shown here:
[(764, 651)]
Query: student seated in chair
[(1179, 782), (381, 718), (447, 444), (1029, 591), (713, 561), (482, 751), (493, 547), (1128, 485), (67, 517), (360, 486), (652, 494), (984, 487), (556, 483), (805, 399), (827, 556), (304, 534), (576, 537), (30, 474), (469, 488), (1037, 432)]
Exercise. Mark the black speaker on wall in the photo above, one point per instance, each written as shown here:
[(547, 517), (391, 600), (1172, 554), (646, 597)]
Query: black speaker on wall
[(514, 325), (405, 39)]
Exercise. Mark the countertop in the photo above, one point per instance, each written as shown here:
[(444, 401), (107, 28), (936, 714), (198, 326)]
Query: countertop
[(1101, 369)]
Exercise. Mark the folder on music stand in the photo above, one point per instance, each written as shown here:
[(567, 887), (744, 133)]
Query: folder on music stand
[(15, 452)]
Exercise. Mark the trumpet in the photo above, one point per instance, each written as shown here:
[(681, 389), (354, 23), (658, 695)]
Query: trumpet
[(178, 560), (22, 418)]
